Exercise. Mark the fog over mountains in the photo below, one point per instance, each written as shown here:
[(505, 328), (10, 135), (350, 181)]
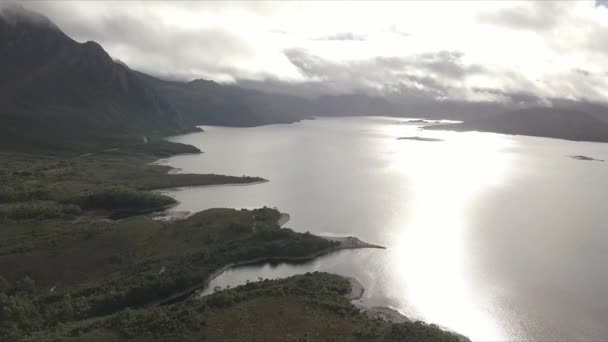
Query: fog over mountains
[(56, 89)]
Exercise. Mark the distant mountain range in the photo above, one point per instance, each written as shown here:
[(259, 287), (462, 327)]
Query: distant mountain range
[(209, 103), (58, 93), (542, 122)]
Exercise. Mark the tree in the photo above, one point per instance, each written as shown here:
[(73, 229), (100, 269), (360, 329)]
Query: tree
[(25, 286), (5, 286)]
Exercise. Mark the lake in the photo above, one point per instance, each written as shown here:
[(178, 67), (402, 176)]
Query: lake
[(494, 236)]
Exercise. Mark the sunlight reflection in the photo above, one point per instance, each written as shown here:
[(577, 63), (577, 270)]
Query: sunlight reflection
[(430, 254)]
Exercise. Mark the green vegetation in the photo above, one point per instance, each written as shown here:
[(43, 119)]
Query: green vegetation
[(125, 198), (67, 272), (98, 267), (77, 137), (163, 148), (37, 210), (34, 186), (309, 307)]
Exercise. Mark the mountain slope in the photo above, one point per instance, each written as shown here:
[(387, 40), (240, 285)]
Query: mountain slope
[(207, 102), (56, 91), (542, 122)]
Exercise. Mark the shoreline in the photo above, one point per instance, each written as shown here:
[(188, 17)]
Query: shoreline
[(180, 188), (383, 312), (351, 243)]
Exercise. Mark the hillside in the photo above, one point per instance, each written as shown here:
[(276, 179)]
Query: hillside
[(56, 92), (542, 122), (207, 102)]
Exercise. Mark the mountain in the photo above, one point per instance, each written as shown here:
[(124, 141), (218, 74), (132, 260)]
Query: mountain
[(542, 122), (203, 102), (207, 102), (597, 110), (56, 91)]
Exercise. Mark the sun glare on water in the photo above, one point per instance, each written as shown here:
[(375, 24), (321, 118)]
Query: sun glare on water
[(430, 249)]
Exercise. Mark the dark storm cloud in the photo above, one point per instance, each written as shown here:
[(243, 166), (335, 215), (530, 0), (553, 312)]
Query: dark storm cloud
[(308, 89), (424, 75), (516, 97), (443, 63), (244, 41)]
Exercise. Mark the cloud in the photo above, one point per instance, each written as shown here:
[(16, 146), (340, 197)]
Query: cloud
[(432, 75), (342, 36), (520, 98), (146, 40), (379, 48), (444, 75), (534, 15), (166, 50), (581, 72)]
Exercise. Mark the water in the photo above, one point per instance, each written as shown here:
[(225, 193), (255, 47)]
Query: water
[(494, 236)]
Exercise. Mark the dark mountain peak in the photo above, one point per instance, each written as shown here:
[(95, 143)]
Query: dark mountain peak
[(16, 15), (202, 83), (93, 46), (93, 54), (123, 64), (53, 86), (27, 37)]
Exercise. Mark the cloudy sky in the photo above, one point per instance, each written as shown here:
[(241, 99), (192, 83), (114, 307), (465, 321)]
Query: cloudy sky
[(457, 50)]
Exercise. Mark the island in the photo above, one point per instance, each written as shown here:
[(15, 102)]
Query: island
[(421, 121), (416, 138), (580, 157)]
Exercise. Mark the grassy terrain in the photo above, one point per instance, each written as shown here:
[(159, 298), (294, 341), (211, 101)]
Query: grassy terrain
[(68, 272), (309, 307), (97, 268), (52, 186)]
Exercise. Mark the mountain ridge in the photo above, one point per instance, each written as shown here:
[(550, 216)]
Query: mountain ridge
[(59, 93), (54, 88), (559, 123)]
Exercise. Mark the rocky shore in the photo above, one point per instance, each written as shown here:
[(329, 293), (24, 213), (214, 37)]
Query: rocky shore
[(382, 312)]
